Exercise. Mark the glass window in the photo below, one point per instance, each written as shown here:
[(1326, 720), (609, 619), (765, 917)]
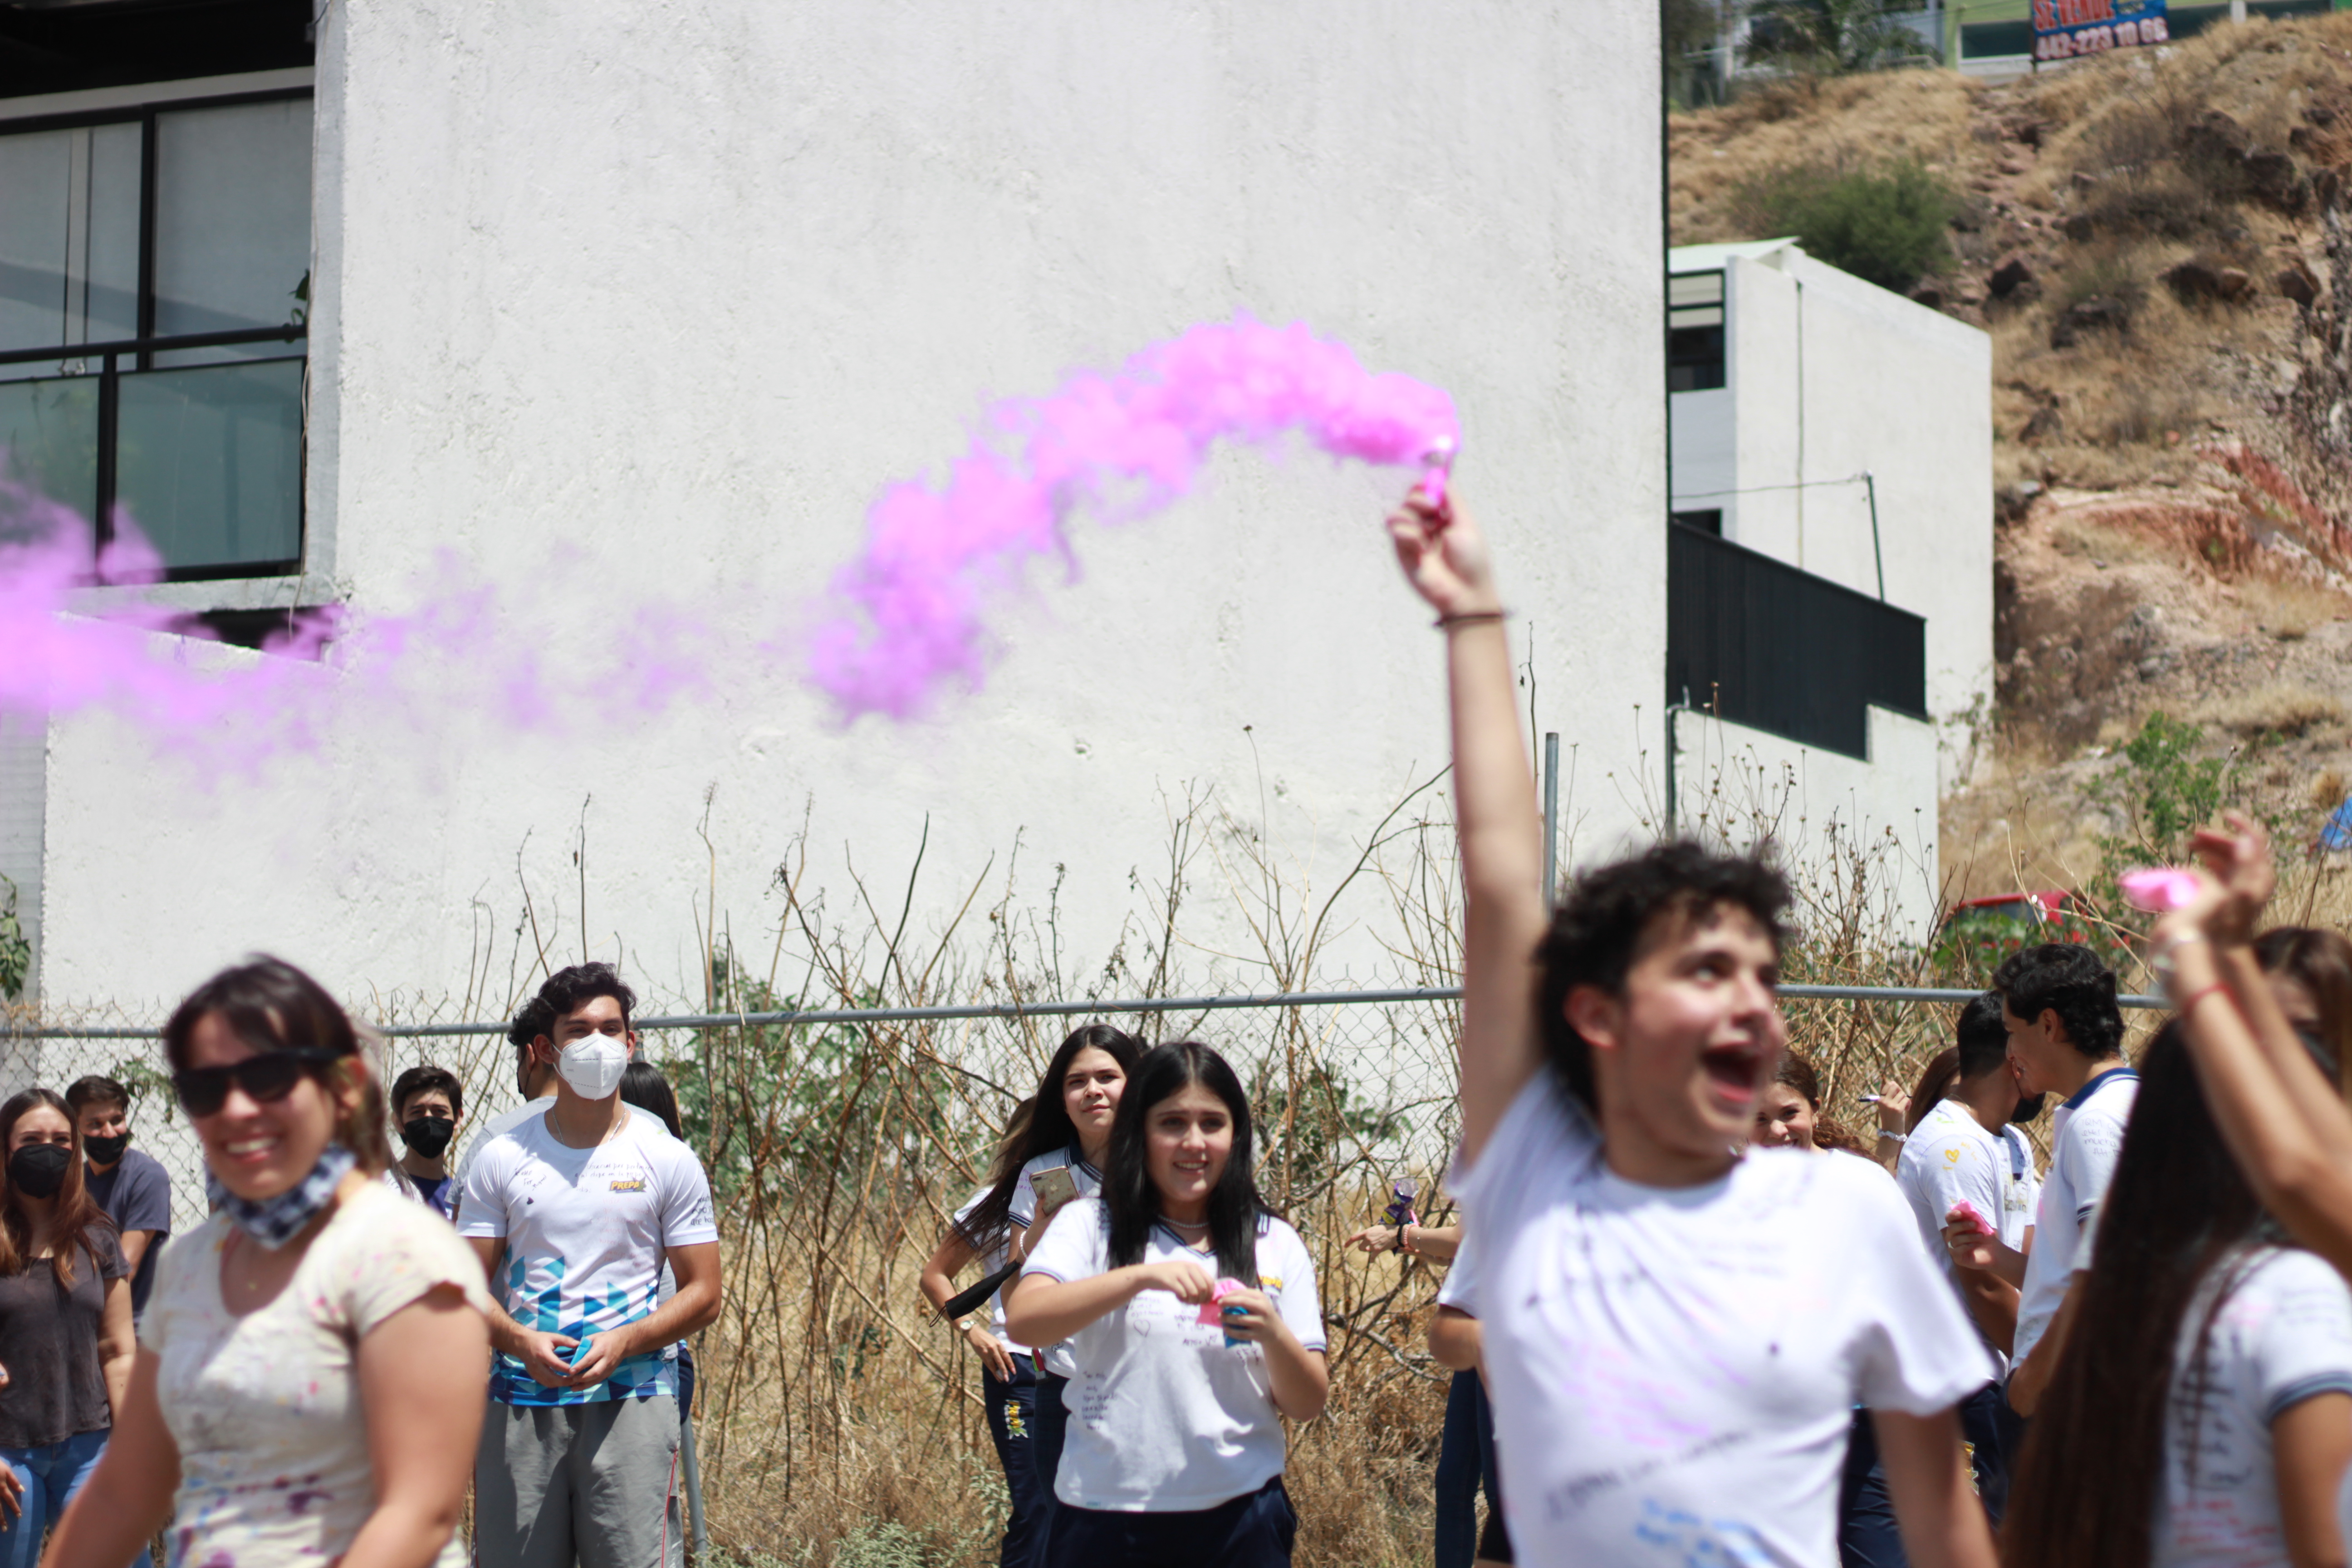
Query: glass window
[(49, 431), (210, 464), (232, 222), (69, 238), (118, 281)]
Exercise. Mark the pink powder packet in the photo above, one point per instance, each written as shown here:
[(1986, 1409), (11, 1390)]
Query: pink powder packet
[(2158, 888), (1969, 1212), (1212, 1308)]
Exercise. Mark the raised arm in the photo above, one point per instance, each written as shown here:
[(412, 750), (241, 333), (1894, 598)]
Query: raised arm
[(1445, 559), (2285, 1124)]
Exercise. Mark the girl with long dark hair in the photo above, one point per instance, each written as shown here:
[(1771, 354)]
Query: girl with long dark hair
[(1008, 1372), (2208, 1418), (65, 1323), (1068, 1133), (1195, 1328)]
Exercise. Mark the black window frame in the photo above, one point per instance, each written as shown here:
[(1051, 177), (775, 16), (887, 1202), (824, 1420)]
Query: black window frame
[(142, 349)]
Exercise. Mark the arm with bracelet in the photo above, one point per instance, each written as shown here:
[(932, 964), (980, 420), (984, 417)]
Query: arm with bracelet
[(2285, 1124)]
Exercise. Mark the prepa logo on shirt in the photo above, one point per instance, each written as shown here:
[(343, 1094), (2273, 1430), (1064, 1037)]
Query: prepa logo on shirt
[(628, 1184)]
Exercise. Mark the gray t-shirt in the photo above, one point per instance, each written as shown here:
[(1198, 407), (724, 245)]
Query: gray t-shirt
[(48, 1342), (136, 1196)]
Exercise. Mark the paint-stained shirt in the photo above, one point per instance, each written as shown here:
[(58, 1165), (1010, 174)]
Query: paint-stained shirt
[(1674, 1371), (265, 1409), (2282, 1334), (587, 1231)]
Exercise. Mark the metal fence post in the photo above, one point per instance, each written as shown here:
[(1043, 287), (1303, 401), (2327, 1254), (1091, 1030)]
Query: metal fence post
[(1551, 817)]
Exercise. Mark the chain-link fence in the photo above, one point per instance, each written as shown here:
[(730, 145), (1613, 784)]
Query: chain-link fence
[(1372, 1069), (833, 1404)]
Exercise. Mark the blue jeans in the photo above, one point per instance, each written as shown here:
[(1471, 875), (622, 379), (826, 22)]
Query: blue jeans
[(1012, 1421), (51, 1475), (1053, 1424), (1867, 1536), (1466, 1459)]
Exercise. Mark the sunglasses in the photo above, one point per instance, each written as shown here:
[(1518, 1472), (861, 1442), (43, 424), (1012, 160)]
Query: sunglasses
[(270, 1077)]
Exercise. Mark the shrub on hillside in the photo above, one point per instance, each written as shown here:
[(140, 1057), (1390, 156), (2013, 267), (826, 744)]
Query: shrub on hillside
[(1886, 224)]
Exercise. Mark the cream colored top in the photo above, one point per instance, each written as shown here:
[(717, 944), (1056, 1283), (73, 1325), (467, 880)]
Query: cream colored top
[(274, 1469)]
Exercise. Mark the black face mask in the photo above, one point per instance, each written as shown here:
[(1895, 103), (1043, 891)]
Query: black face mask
[(428, 1135), (38, 1170), (2029, 1107), (105, 1150)]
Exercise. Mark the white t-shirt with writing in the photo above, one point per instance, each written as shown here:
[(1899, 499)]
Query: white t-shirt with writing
[(2088, 1136), (587, 1231), (2283, 1335), (1675, 1370), (1165, 1416), (1021, 1210)]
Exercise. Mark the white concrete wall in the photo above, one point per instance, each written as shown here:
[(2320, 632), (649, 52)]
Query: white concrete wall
[(1906, 393), (673, 292), (1830, 813), (24, 781), (1831, 376), (1706, 453)]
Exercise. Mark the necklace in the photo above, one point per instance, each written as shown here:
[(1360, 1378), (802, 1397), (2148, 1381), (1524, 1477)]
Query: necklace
[(1183, 1225)]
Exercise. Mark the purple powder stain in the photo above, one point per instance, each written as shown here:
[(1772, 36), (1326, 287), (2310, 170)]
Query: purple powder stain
[(298, 1502)]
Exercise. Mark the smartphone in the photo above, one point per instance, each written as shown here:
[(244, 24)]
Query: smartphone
[(1054, 1186)]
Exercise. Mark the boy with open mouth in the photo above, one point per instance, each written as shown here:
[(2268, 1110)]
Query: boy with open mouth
[(1673, 1379)]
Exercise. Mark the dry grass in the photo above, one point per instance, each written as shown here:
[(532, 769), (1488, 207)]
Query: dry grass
[(2281, 708), (2087, 175), (839, 1419), (1856, 120)]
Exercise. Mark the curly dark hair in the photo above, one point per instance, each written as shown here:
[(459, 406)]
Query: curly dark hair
[(1614, 915), (565, 992), (534, 1019), (2068, 979)]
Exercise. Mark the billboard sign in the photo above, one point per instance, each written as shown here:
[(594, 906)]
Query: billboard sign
[(2070, 29)]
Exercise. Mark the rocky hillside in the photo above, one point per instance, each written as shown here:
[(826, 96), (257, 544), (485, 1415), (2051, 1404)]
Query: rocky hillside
[(2157, 241)]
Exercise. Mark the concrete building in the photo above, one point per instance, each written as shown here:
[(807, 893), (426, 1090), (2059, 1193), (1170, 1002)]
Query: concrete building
[(577, 308), (1831, 452)]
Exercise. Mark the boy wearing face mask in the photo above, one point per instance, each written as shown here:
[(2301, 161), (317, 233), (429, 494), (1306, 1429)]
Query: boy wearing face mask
[(573, 1212), (427, 1104), (134, 1191)]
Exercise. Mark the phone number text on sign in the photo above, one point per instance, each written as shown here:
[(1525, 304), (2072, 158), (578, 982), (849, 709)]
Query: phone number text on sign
[(2069, 29)]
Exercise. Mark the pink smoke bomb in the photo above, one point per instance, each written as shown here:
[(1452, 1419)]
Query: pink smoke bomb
[(1439, 459), (1965, 1210), (2158, 889)]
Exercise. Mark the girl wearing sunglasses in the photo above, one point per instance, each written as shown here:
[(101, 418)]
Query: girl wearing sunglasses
[(316, 1327)]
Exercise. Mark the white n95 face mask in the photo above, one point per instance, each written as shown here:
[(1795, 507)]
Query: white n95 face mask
[(592, 1066)]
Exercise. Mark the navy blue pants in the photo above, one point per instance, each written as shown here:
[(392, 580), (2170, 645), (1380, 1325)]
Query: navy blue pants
[(1254, 1530), (1867, 1536), (1465, 1461), (1011, 1423), (1050, 1421)]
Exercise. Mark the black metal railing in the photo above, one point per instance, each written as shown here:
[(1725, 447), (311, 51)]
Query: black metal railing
[(1761, 643), (106, 363)]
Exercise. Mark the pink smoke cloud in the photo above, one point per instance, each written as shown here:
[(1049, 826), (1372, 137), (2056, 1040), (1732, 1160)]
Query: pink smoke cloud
[(904, 618), (907, 614)]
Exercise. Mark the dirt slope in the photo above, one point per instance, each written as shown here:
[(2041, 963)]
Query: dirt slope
[(2153, 240)]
